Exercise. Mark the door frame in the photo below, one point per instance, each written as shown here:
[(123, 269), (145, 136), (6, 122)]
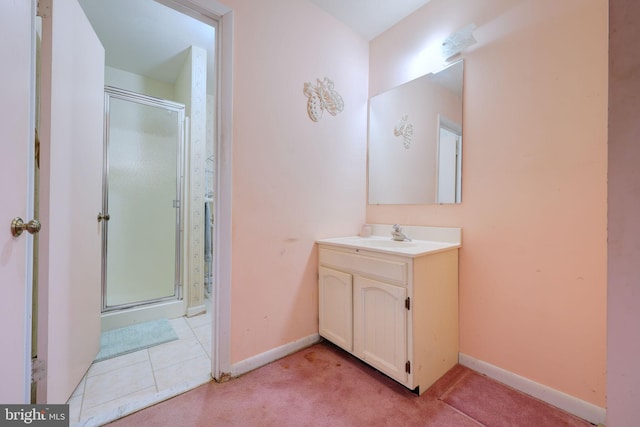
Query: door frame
[(30, 328), (222, 236)]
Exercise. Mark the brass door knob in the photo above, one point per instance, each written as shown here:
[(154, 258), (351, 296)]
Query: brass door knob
[(102, 216), (18, 226)]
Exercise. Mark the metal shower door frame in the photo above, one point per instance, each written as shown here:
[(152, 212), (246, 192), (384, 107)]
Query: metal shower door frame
[(130, 96)]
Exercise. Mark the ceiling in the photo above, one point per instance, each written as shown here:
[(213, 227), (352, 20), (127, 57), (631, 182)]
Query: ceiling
[(150, 39), (370, 18)]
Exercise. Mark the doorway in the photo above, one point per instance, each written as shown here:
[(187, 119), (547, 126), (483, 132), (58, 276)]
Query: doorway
[(50, 295), (449, 165), (20, 20), (158, 51), (196, 189)]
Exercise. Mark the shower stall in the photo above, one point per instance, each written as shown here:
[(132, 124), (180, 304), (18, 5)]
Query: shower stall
[(142, 208)]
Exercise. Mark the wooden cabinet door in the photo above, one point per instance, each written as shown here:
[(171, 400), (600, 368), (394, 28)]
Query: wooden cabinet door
[(380, 326), (335, 296)]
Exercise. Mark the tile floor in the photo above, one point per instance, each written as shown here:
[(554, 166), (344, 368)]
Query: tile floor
[(118, 386)]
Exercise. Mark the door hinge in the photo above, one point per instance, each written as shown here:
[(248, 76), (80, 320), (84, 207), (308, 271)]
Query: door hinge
[(176, 203), (43, 8), (38, 370), (407, 303), (407, 367)]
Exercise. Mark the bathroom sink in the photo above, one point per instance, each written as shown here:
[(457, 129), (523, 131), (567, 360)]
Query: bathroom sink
[(377, 243)]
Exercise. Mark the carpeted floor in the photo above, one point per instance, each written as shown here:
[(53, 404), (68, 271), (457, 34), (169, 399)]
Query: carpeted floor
[(324, 386)]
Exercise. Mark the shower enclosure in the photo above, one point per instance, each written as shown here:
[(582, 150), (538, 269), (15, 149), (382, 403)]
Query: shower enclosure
[(142, 194)]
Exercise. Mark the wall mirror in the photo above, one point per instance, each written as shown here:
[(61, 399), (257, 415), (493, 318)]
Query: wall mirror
[(415, 141)]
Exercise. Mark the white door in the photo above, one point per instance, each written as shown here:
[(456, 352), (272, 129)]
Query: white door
[(16, 166), (380, 326), (72, 105), (447, 166)]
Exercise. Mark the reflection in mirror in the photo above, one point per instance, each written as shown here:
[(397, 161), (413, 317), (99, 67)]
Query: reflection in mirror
[(415, 141)]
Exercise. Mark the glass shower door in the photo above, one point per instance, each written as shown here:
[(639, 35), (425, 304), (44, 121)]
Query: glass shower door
[(141, 240)]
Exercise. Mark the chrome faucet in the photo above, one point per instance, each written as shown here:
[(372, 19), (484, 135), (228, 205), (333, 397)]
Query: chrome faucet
[(397, 234)]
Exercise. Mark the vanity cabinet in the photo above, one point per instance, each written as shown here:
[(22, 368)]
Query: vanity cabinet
[(397, 313)]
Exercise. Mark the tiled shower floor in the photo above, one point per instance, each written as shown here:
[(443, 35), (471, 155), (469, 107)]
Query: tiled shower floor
[(124, 384)]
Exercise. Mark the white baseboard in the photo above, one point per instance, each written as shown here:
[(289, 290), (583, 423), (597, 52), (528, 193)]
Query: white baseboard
[(573, 405), (262, 359)]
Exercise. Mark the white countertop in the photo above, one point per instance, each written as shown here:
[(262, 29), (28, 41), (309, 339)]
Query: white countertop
[(385, 244)]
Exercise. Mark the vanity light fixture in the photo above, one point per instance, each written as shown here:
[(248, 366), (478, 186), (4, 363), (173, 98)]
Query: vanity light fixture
[(322, 97), (458, 41)]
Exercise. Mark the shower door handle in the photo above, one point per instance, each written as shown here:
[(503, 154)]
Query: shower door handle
[(102, 216)]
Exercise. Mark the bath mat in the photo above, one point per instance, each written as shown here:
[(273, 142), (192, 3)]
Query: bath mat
[(135, 337)]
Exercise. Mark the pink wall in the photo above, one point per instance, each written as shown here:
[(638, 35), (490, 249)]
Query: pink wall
[(533, 261), (294, 180), (623, 373)]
